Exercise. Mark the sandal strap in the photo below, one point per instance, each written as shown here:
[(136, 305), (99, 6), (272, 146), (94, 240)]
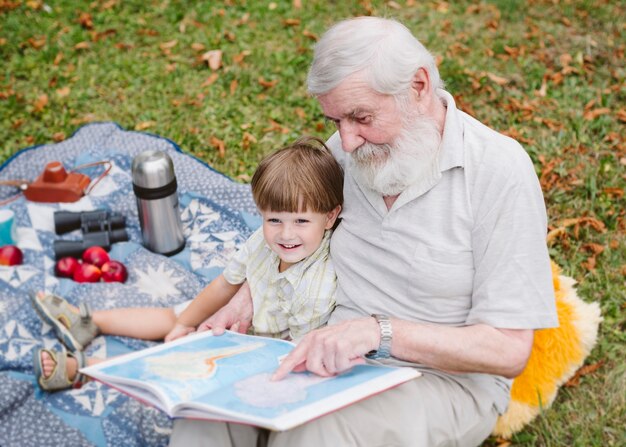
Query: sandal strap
[(81, 361)]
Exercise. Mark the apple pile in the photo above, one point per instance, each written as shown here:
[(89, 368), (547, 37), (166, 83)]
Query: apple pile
[(10, 255), (95, 266)]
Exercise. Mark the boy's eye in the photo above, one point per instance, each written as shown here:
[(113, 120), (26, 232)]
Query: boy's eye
[(302, 221), (273, 220)]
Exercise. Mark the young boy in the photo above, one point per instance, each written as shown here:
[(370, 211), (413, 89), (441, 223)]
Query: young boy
[(299, 193)]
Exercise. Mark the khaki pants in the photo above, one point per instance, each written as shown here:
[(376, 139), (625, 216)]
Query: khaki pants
[(431, 410)]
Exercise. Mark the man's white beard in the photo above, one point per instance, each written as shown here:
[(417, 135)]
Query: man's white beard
[(389, 169)]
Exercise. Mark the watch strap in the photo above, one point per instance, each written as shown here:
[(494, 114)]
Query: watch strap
[(386, 335)]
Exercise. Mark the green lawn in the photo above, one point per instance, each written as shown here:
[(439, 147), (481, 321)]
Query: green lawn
[(549, 73)]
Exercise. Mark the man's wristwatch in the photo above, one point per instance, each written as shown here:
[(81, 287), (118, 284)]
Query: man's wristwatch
[(386, 333)]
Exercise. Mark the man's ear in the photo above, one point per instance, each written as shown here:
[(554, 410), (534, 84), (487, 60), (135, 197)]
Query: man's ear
[(421, 82), (332, 217)]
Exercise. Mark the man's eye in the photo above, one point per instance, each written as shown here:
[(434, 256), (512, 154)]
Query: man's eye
[(364, 119)]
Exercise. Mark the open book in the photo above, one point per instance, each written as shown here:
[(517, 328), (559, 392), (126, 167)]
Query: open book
[(227, 378)]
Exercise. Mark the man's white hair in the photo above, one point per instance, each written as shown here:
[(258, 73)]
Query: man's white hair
[(383, 50)]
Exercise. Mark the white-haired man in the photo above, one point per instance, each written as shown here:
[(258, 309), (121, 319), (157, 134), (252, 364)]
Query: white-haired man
[(440, 257)]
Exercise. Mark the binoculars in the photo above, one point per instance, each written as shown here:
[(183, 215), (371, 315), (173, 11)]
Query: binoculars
[(100, 228)]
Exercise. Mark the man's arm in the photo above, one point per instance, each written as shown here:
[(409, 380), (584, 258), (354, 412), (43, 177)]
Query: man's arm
[(478, 348)]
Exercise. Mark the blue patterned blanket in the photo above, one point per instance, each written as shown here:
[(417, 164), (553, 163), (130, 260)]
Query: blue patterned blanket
[(218, 215)]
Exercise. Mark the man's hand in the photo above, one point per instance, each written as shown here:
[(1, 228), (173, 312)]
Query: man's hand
[(333, 349), (178, 331), (236, 315)]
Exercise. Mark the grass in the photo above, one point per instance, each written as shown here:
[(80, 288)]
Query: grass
[(549, 73)]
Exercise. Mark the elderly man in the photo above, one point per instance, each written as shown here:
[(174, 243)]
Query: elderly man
[(440, 257)]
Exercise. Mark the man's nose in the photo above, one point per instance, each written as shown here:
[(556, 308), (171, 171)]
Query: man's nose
[(350, 137)]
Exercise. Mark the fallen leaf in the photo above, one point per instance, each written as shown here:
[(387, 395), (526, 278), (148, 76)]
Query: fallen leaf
[(88, 118), (291, 22), (82, 46), (210, 80), (58, 58), (37, 42), (276, 127), (213, 58), (590, 263), (584, 370), (197, 46), (168, 45), (297, 4), (58, 136), (219, 145), (63, 92), (272, 6), (144, 125), (594, 248), (393, 5), (593, 114), (621, 115), (3, 41), (247, 140), (29, 139), (230, 36), (233, 86), (267, 84), (497, 79), (238, 59), (108, 5), (170, 67), (614, 192), (85, 20), (310, 35), (40, 103), (300, 112), (18, 123)]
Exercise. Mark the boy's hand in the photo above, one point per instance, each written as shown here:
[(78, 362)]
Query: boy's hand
[(178, 331), (236, 315)]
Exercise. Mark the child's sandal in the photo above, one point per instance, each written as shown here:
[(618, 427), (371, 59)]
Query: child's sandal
[(58, 380), (74, 329)]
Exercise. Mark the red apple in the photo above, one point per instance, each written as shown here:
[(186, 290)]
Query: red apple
[(96, 256), (10, 255), (114, 271), (65, 267), (87, 273)]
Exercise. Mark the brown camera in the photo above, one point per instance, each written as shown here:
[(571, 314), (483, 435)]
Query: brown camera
[(55, 184)]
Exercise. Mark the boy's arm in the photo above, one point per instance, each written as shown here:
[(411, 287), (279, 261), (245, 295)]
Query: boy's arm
[(208, 301)]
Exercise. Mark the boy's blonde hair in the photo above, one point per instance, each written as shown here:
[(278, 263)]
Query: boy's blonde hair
[(303, 176)]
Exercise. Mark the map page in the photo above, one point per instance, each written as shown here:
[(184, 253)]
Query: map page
[(227, 378)]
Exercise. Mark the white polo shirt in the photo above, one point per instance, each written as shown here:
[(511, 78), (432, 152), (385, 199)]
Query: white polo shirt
[(467, 246)]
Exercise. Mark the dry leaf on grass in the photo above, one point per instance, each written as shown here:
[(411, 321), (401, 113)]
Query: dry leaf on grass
[(144, 125), (40, 103), (219, 145), (213, 58), (82, 46), (63, 92), (583, 371), (210, 80), (593, 114)]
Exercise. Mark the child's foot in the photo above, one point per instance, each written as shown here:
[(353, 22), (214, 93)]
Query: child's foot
[(73, 326), (48, 363)]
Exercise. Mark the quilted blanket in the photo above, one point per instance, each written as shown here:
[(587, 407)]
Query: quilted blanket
[(218, 215)]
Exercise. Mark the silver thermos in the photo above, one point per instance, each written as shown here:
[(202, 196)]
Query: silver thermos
[(154, 184)]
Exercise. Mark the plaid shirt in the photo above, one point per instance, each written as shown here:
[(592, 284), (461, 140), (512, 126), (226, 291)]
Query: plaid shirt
[(291, 303)]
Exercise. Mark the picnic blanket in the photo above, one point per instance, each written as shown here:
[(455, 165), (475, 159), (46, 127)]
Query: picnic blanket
[(218, 215)]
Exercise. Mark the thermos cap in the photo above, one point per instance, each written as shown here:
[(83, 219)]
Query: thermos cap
[(152, 169)]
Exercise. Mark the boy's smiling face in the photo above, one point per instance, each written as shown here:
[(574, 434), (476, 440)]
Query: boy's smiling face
[(294, 236)]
